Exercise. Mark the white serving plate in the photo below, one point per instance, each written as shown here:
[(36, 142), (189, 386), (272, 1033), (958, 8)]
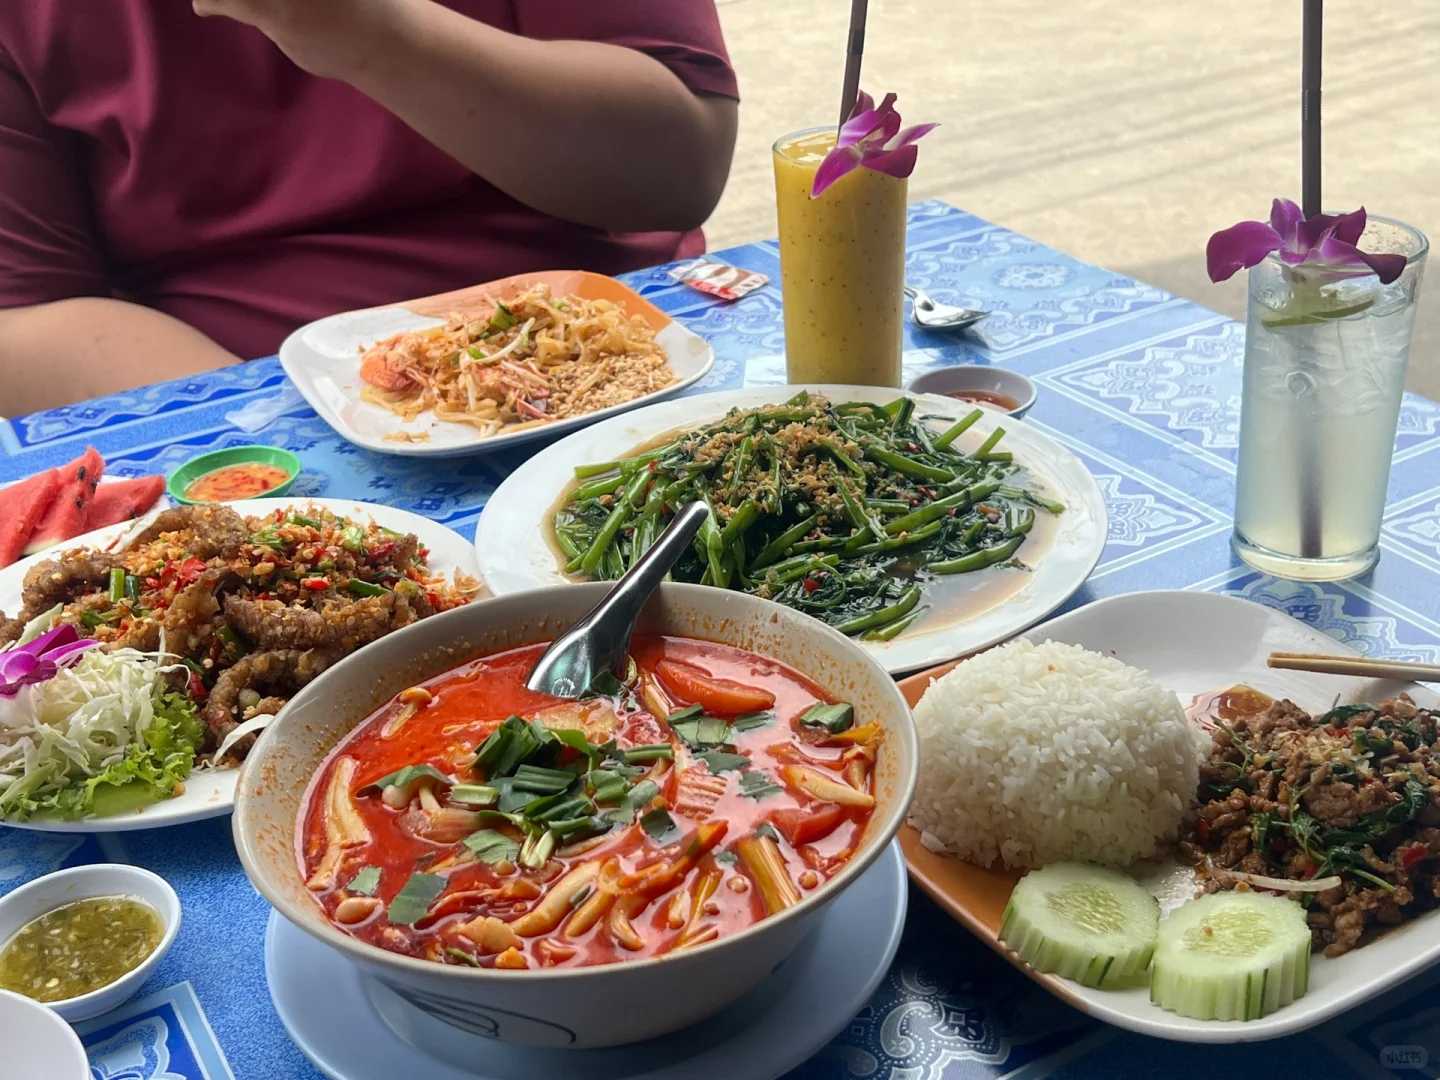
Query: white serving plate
[(1193, 643), (211, 792), (322, 359), (514, 554)]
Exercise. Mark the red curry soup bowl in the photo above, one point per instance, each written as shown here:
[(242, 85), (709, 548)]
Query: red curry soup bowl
[(604, 1004)]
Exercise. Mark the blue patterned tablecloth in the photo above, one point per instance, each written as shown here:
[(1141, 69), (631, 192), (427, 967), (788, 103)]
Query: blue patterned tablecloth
[(1142, 386)]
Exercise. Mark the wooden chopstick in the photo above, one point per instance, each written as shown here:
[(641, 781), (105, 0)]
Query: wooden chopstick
[(1356, 665)]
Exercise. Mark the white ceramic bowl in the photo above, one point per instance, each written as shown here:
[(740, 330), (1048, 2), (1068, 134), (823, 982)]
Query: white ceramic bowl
[(963, 377), (584, 1007), (38, 1044), (79, 883)]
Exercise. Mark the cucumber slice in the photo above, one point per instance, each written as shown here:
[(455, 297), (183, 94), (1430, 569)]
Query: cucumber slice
[(1084, 922), (1231, 956)]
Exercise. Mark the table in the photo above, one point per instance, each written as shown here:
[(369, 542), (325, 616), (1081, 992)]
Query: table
[(1142, 386)]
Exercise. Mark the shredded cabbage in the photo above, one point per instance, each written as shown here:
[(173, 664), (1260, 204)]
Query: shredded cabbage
[(104, 735)]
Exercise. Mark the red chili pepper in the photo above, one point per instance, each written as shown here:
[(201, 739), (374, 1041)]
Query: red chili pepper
[(380, 551), (189, 570), (197, 688), (810, 584), (315, 584), (1412, 854), (1202, 830)]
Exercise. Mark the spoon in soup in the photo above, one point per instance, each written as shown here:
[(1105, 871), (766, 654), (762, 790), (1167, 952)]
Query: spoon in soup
[(599, 643)]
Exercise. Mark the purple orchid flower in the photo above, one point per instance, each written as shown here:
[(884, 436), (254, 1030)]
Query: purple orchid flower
[(872, 138), (40, 659), (1327, 239)]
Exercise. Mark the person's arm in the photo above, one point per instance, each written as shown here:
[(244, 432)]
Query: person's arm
[(61, 337), (66, 350), (590, 132)]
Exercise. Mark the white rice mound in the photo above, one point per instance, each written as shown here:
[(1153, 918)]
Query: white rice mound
[(1032, 754)]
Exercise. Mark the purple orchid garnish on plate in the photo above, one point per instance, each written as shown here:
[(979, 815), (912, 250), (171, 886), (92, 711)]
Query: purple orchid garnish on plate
[(38, 660), (871, 138), (1326, 240)]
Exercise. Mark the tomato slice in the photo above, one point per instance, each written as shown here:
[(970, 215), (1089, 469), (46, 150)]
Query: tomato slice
[(804, 825), (722, 696)]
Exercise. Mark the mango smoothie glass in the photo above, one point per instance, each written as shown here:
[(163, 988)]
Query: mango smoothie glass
[(842, 267)]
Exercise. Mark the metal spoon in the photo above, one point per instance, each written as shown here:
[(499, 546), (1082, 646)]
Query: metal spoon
[(932, 316), (600, 641)]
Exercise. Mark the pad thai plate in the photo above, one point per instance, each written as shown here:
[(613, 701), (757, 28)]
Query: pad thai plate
[(211, 792), (961, 622), (1192, 643), (323, 360)]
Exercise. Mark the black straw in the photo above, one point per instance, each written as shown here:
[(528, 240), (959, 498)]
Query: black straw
[(1310, 107), (854, 52), (1311, 522)]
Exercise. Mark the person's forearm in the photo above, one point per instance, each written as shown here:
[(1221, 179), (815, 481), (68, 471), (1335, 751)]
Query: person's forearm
[(593, 133), (69, 350)]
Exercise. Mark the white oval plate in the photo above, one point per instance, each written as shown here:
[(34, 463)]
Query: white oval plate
[(211, 792), (323, 361), (1194, 643), (514, 554)]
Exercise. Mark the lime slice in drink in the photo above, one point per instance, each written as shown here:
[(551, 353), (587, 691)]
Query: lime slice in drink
[(1299, 315)]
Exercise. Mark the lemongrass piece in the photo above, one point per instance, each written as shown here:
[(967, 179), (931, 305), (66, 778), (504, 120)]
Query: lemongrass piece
[(762, 858), (825, 787), (546, 915)]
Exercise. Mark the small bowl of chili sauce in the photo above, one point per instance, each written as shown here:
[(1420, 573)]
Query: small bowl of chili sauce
[(989, 387), (239, 472)]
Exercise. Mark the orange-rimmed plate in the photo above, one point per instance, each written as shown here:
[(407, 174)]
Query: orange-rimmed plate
[(322, 359), (1192, 643)]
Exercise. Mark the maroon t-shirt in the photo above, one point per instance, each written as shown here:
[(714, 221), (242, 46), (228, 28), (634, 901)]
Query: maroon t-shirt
[(186, 164)]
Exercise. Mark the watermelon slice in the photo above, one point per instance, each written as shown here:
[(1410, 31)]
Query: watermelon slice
[(24, 504), (65, 519), (121, 500)]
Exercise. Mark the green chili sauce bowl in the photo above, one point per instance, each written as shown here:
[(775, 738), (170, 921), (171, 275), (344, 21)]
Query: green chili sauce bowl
[(181, 479)]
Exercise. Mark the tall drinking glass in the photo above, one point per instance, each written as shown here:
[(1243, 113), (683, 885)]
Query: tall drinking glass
[(842, 267), (1325, 358)]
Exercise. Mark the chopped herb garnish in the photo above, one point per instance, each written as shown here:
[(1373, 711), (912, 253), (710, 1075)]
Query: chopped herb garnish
[(542, 781), (352, 538), (492, 847), (636, 799), (406, 778), (751, 721), (506, 747), (720, 761), (766, 829), (833, 718), (648, 753), (703, 731), (366, 881), (725, 857), (660, 826), (503, 319), (414, 899), (308, 522), (757, 785), (462, 956), (690, 712), (356, 587), (474, 794), (538, 847)]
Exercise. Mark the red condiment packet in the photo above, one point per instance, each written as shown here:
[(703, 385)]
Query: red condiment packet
[(718, 279)]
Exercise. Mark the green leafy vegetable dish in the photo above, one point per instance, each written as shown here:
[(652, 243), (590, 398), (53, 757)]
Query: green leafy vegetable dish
[(865, 516)]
